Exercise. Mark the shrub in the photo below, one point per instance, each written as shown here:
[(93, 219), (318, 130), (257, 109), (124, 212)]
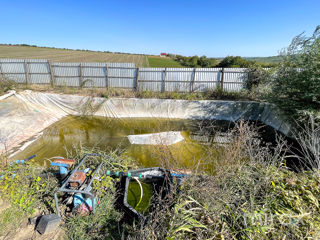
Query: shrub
[(235, 62), (296, 84), (23, 187)]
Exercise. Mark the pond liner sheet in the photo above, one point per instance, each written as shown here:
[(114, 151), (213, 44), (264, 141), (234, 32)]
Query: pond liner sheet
[(24, 115)]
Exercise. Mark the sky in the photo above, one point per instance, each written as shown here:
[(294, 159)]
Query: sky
[(213, 28)]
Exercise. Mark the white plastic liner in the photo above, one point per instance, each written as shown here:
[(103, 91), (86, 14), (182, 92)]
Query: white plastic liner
[(23, 115), (162, 138), (9, 94)]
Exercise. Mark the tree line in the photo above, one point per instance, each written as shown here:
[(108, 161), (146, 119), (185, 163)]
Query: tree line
[(227, 62)]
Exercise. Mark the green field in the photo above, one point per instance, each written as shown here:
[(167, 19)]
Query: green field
[(155, 61), (65, 55)]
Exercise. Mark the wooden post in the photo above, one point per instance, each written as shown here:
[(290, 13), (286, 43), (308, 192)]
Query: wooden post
[(107, 76), (80, 76), (27, 72), (192, 80), (137, 79), (163, 87), (222, 78), (52, 81)]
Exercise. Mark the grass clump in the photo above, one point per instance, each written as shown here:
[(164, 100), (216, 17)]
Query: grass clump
[(6, 85)]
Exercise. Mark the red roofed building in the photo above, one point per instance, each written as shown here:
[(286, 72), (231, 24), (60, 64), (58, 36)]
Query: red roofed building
[(163, 54)]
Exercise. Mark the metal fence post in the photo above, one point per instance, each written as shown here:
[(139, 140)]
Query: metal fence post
[(52, 80), (163, 87), (222, 78), (80, 76), (26, 68), (107, 76), (192, 80), (137, 79)]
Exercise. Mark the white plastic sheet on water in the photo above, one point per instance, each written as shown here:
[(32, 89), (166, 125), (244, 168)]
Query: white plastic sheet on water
[(162, 138)]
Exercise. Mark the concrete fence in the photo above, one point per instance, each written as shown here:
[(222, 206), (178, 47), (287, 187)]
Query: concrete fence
[(121, 75)]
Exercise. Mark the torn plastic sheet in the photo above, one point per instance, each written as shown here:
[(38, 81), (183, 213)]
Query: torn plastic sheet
[(162, 138)]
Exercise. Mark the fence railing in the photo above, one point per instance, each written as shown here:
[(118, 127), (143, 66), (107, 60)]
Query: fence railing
[(121, 75)]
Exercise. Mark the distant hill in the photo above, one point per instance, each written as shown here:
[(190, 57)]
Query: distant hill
[(69, 55), (272, 59), (24, 51)]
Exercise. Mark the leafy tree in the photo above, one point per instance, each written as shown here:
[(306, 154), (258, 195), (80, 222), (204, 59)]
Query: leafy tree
[(235, 62), (193, 61), (204, 62), (296, 84)]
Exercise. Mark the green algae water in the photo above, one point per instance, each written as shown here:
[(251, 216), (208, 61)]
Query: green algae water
[(108, 134), (138, 202)]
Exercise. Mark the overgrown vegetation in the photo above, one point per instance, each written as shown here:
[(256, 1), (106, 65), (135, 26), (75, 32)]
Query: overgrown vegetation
[(296, 85), (227, 62), (250, 194), (27, 190), (252, 201)]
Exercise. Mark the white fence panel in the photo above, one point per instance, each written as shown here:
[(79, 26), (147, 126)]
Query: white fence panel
[(234, 79), (151, 79), (122, 75)]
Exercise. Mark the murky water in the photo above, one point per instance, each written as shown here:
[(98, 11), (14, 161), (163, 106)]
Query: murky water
[(109, 134)]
